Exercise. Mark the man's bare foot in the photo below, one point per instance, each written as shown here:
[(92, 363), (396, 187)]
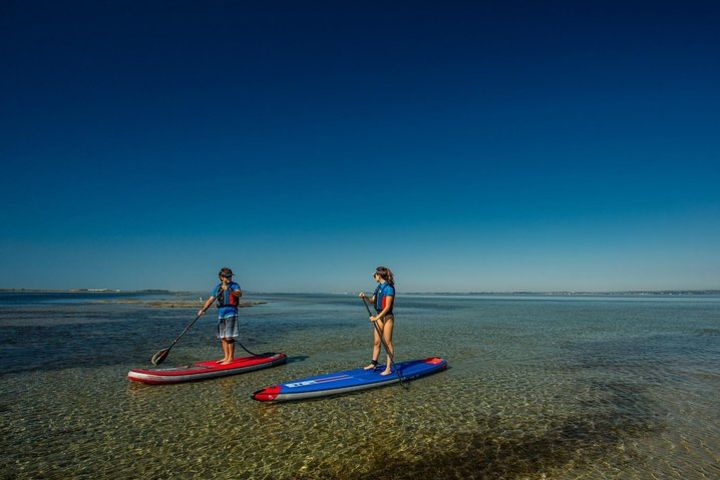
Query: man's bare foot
[(386, 372), (226, 362), (220, 361)]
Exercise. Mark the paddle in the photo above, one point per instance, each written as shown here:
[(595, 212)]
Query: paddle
[(382, 340), (160, 356)]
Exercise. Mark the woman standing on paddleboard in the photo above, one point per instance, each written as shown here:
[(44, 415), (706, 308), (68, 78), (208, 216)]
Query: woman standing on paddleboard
[(227, 294), (383, 300)]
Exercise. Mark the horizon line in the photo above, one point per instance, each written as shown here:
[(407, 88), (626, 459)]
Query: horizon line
[(695, 291)]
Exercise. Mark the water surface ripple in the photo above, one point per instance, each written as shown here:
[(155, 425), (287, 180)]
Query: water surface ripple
[(538, 387)]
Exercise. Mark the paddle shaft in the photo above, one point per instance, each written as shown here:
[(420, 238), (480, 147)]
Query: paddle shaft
[(183, 333), (382, 340)]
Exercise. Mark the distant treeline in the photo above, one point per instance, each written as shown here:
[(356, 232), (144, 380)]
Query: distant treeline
[(564, 293), (83, 290)]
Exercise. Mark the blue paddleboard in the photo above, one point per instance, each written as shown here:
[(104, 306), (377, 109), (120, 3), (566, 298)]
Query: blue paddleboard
[(348, 381)]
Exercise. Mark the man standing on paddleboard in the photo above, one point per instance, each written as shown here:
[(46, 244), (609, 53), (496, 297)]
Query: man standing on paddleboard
[(227, 294)]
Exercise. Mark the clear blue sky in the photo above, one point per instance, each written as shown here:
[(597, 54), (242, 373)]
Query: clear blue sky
[(469, 146)]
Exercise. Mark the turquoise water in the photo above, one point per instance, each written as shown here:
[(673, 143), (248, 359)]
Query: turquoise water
[(538, 387)]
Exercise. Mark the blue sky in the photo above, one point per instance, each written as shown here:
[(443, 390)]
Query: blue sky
[(469, 146)]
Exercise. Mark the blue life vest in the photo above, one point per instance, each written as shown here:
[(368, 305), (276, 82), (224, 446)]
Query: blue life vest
[(383, 291)]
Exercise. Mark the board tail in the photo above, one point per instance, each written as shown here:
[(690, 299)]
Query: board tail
[(267, 394)]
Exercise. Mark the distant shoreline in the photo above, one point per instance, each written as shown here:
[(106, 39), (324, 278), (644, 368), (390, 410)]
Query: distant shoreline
[(86, 290), (570, 294), (173, 304), (512, 293)]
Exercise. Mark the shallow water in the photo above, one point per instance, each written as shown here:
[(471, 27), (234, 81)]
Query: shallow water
[(538, 387)]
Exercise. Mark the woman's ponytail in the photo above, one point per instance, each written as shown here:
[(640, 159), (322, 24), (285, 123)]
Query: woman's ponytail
[(386, 274)]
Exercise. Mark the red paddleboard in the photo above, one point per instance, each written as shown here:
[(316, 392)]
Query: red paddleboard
[(205, 370)]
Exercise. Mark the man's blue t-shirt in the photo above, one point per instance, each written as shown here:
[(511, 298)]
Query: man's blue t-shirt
[(227, 303), (382, 292)]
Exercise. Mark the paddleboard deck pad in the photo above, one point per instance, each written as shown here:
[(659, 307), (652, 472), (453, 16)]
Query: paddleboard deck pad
[(348, 381), (205, 370)]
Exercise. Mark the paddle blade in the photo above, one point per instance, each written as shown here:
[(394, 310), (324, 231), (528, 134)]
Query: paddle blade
[(160, 356)]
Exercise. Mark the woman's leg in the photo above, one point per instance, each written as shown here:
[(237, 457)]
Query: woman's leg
[(376, 349), (387, 336)]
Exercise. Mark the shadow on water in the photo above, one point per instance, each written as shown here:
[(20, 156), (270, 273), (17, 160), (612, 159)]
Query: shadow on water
[(709, 331), (297, 358), (529, 449)]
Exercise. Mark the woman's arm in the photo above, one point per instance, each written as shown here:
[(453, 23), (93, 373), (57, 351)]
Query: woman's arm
[(370, 300)]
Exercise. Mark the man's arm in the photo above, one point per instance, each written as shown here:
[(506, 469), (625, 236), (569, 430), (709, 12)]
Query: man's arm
[(206, 305)]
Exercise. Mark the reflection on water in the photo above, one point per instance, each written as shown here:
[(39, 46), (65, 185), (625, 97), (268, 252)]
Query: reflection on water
[(538, 387)]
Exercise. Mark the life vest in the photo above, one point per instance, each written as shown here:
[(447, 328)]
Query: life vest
[(225, 297), (380, 303)]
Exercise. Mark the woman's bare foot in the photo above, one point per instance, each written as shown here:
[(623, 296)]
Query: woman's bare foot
[(370, 367), (386, 372), (226, 362)]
